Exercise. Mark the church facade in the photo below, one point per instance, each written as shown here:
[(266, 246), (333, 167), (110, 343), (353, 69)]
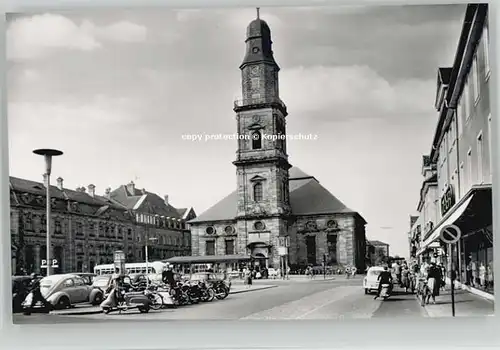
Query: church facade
[(274, 202)]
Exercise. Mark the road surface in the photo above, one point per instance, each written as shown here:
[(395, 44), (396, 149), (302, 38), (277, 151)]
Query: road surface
[(290, 300)]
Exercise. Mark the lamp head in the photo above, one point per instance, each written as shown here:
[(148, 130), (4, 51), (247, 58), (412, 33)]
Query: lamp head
[(48, 154)]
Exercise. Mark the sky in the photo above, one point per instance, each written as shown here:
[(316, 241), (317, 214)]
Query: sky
[(116, 91)]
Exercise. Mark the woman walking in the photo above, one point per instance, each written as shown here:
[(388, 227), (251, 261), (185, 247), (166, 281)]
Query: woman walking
[(433, 282)]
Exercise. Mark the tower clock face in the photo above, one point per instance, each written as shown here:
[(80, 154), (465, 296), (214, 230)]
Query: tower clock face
[(255, 70), (255, 49)]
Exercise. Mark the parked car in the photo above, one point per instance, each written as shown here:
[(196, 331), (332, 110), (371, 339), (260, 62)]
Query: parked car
[(87, 277), (370, 282), (20, 289), (63, 291), (99, 287)]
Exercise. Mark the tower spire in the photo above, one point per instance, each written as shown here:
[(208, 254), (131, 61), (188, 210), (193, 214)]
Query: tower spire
[(258, 12)]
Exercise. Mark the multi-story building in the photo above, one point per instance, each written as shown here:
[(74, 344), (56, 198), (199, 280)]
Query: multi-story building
[(378, 252), (274, 201), (87, 228), (427, 209), (164, 228), (461, 152)]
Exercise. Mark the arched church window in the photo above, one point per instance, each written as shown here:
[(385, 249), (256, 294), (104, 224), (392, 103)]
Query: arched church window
[(257, 192), (256, 140)]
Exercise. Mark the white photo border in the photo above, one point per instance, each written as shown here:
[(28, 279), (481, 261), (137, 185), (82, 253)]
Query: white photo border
[(402, 333)]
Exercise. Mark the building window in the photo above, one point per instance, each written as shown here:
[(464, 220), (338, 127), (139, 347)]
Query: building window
[(129, 234), (210, 248), (486, 44), (229, 230), (259, 226), (29, 222), (332, 249), (91, 229), (230, 247), (79, 228), (57, 226), (469, 167), (460, 121), (461, 175), (210, 230), (257, 192), (256, 140), (475, 79), (480, 158), (466, 102), (255, 83)]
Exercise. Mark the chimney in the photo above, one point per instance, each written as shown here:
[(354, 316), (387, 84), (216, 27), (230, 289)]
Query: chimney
[(166, 199), (91, 190), (143, 191), (131, 188), (107, 192), (83, 189), (60, 183)]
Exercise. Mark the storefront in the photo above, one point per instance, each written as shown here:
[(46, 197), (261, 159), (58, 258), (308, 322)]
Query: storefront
[(472, 256)]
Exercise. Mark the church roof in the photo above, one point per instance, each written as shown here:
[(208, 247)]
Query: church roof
[(144, 201), (307, 197)]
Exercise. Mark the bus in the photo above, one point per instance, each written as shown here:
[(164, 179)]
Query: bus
[(153, 268)]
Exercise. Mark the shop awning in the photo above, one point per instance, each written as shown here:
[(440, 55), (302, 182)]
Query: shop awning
[(449, 219), (208, 259)]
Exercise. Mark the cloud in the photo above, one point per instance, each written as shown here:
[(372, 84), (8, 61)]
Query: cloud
[(353, 92), (35, 36), (123, 31)]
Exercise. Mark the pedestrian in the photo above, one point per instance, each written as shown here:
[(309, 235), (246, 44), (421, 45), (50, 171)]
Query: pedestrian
[(405, 278), (397, 272), (37, 296), (433, 282), (482, 275), (248, 277), (353, 271), (347, 272), (288, 272), (168, 277)]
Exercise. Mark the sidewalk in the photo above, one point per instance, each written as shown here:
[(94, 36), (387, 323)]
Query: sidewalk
[(293, 278), (466, 305), (87, 309)]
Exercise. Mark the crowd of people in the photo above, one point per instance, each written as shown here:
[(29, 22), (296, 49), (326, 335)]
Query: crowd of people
[(428, 278)]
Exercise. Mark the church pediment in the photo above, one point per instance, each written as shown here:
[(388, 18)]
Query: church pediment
[(257, 178)]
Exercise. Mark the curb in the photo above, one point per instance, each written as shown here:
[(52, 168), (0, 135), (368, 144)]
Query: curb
[(77, 313), (252, 290)]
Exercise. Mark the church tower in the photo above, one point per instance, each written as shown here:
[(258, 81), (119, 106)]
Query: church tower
[(261, 160)]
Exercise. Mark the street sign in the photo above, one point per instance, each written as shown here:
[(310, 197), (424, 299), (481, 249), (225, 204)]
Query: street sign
[(450, 234), (282, 251), (44, 263)]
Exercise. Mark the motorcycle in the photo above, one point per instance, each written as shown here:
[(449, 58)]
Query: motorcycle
[(221, 290), (206, 292), (385, 292), (179, 295), (193, 291), (119, 300)]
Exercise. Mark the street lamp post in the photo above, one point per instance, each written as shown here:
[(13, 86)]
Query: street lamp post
[(48, 154), (152, 239)]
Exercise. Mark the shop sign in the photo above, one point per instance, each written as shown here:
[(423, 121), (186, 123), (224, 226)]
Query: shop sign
[(447, 200)]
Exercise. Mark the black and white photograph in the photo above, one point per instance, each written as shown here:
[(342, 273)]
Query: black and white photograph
[(265, 163)]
